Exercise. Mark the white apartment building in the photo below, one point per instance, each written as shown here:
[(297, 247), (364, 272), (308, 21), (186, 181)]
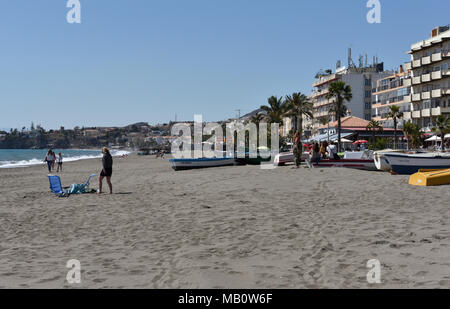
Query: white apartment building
[(430, 66), (359, 79), (389, 91)]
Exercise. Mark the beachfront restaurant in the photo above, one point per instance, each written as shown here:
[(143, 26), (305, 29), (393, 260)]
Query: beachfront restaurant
[(352, 129)]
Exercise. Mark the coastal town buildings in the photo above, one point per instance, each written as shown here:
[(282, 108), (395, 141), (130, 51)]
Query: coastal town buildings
[(360, 79), (430, 66), (389, 91)]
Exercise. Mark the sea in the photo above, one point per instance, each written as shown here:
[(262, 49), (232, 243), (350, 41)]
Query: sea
[(13, 158)]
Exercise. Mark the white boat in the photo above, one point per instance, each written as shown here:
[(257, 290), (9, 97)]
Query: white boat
[(362, 160), (408, 164), (287, 157), (380, 160), (187, 164)]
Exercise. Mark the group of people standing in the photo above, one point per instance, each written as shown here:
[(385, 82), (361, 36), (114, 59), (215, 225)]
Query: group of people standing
[(317, 153), (324, 151), (51, 159)]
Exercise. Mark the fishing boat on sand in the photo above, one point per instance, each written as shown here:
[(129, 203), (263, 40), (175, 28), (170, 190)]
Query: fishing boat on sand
[(188, 164), (380, 160), (362, 160), (288, 157), (408, 164)]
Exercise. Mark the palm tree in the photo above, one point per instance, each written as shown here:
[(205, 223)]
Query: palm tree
[(410, 130), (442, 126), (298, 105), (341, 92), (276, 109), (395, 114), (256, 119), (374, 126)]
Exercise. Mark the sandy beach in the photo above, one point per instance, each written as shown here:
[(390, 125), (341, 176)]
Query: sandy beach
[(231, 227)]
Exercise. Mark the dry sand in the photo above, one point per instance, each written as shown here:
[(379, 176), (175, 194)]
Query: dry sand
[(231, 227)]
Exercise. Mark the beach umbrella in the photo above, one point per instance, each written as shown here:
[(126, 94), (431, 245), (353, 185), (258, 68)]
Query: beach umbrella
[(433, 139), (360, 142)]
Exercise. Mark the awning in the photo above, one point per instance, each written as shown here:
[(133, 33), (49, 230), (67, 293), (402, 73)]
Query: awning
[(324, 137)]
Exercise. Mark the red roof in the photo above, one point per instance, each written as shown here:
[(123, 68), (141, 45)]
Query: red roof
[(350, 122)]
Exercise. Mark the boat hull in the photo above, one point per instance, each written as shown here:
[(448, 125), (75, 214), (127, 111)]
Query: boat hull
[(405, 164), (188, 164), (368, 165), (288, 157)]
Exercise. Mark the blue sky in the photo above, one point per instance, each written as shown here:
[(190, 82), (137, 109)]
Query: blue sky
[(145, 60)]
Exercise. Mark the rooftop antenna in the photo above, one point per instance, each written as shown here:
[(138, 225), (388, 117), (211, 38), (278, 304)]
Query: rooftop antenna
[(239, 113), (365, 62), (360, 60), (349, 59)]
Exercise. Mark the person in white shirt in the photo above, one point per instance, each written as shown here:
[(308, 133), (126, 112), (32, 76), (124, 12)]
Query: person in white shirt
[(332, 151), (60, 162), (50, 159)]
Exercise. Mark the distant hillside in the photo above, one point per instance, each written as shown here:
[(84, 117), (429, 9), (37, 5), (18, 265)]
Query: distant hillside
[(253, 113)]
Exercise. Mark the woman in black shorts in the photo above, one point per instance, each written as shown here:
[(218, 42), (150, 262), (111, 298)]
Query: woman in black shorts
[(107, 163)]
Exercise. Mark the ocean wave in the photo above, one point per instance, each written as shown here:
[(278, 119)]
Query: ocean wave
[(34, 161)]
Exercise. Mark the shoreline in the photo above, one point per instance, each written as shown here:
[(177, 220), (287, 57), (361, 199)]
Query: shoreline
[(10, 164)]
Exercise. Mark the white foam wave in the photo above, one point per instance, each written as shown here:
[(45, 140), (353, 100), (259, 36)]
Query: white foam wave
[(27, 163)]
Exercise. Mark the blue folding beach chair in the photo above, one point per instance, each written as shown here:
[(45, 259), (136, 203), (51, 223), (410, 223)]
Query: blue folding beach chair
[(56, 187), (86, 185)]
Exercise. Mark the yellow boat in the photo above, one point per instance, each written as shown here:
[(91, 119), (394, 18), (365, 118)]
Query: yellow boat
[(428, 178)]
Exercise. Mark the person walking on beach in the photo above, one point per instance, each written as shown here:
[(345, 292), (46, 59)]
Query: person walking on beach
[(60, 162), (107, 163), (53, 159), (49, 160), (297, 149)]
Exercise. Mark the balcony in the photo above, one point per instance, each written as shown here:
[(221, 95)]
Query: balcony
[(407, 98), (436, 75), (416, 63), (321, 114), (416, 80), (407, 82), (446, 54), (407, 115), (440, 110), (416, 97), (324, 79), (426, 78), (426, 95), (408, 66), (446, 72), (320, 93), (445, 91), (426, 112), (416, 114), (437, 93), (426, 60), (436, 57), (435, 111)]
